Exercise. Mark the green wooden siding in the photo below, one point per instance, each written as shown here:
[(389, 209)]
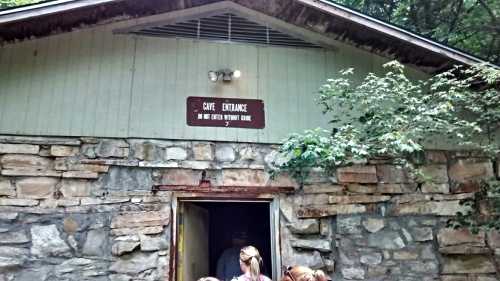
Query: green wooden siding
[(93, 83)]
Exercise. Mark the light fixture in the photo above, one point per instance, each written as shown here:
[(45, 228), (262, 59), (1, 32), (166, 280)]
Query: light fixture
[(227, 75), (213, 76)]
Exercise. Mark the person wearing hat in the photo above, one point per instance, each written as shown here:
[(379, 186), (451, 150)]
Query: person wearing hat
[(228, 265)]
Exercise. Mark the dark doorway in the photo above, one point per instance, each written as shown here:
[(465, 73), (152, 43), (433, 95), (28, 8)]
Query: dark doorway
[(224, 218)]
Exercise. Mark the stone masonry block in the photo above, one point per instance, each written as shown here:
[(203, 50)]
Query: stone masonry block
[(64, 150), (19, 148), (24, 161), (352, 199), (450, 237), (330, 210), (181, 177), (244, 177), (435, 173), (6, 187), (392, 174), (439, 208), (357, 174), (36, 188), (203, 151), (457, 264), (141, 219), (465, 174)]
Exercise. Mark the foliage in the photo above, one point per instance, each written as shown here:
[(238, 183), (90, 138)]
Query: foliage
[(484, 209), (317, 149), (393, 116), (471, 25), (4, 4)]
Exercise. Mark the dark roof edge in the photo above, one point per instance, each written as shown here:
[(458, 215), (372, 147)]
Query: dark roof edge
[(387, 28), (58, 6)]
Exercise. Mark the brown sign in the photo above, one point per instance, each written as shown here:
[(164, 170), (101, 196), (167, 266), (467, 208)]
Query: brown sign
[(222, 112)]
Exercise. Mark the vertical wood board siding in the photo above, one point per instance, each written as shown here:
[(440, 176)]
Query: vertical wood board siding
[(93, 83)]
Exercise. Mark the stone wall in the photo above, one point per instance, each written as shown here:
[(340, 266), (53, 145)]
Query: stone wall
[(375, 222), (89, 209)]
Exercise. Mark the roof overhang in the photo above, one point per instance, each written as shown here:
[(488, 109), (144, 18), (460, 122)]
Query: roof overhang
[(229, 7), (331, 22)]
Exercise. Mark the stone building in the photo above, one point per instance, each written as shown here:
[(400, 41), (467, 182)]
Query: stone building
[(121, 160)]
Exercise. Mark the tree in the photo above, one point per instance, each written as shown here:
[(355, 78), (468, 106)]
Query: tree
[(392, 116), (470, 25)]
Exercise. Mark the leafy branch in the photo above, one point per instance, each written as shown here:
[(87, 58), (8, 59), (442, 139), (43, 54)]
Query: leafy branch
[(393, 116)]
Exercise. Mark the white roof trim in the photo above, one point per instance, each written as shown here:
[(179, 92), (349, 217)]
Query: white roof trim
[(351, 15), (47, 8)]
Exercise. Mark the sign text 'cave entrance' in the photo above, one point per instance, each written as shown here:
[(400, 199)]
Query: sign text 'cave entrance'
[(225, 112)]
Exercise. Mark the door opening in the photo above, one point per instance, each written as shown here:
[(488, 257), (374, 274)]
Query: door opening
[(205, 230)]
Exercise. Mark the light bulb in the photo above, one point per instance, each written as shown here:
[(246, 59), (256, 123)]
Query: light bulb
[(236, 74)]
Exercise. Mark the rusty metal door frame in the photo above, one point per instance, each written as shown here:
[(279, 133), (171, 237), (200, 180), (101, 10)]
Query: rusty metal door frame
[(271, 199)]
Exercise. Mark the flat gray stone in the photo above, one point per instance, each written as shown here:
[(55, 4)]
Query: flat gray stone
[(176, 153), (224, 153), (72, 265), (8, 216), (316, 244), (17, 237), (112, 148), (371, 258), (349, 225), (82, 269), (312, 260), (135, 263), (46, 242), (422, 234), (96, 243), (119, 277), (12, 257), (128, 178), (31, 274), (387, 240), (428, 253), (123, 247), (149, 243), (426, 267), (353, 273), (305, 226)]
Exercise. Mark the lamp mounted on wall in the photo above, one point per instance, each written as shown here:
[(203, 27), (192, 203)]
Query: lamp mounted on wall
[(226, 75)]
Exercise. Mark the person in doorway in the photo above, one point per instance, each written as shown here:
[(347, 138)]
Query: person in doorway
[(250, 264), (228, 266), (304, 273)]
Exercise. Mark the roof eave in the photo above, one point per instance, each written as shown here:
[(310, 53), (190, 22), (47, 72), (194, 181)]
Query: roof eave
[(381, 26)]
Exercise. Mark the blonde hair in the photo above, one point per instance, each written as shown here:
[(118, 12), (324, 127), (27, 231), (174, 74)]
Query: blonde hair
[(208, 279), (250, 256), (304, 273)]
